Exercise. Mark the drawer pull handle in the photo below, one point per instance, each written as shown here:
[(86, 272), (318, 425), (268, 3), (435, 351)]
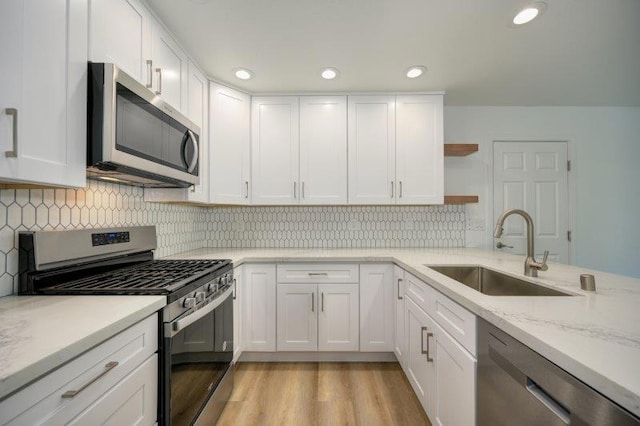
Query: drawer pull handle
[(318, 274), (108, 367)]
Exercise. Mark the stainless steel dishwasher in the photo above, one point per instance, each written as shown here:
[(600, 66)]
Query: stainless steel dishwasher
[(517, 386)]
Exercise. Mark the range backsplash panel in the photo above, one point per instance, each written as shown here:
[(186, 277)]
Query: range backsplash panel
[(181, 228)]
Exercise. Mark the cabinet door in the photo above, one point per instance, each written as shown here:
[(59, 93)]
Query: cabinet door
[(323, 150), (376, 308), (455, 382), (338, 328), (259, 325), (419, 149), (420, 363), (170, 68), (237, 312), (399, 315), (297, 320), (372, 149), (120, 33), (230, 144), (43, 91), (274, 150), (132, 401), (198, 112)]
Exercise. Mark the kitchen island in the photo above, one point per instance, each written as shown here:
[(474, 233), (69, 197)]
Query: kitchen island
[(593, 336)]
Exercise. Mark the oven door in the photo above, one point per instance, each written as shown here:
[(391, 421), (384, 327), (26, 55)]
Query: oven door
[(198, 363)]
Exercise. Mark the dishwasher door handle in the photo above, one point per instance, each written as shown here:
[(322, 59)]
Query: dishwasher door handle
[(548, 401)]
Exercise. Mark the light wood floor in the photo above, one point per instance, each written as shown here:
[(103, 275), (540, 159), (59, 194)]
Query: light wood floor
[(322, 394)]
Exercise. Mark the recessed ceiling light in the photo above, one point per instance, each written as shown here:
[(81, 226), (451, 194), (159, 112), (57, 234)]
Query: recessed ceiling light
[(329, 73), (243, 74), (529, 13), (416, 71)]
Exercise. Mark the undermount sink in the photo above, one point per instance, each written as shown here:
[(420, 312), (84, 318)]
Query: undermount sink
[(492, 283)]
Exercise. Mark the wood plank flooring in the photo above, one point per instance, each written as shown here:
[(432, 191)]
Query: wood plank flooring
[(313, 393)]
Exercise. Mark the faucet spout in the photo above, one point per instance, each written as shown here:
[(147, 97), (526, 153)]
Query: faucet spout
[(531, 266)]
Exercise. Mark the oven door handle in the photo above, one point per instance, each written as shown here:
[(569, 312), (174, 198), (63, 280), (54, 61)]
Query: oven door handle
[(173, 328)]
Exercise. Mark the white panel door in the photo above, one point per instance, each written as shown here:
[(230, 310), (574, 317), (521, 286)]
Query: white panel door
[(338, 328), (297, 319), (376, 308), (259, 309), (170, 67), (420, 366), (419, 149), (399, 315), (455, 381), (274, 150), (323, 149), (198, 112), (230, 145), (371, 150), (533, 176), (120, 33), (43, 91)]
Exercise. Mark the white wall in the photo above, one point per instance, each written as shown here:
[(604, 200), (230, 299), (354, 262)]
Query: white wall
[(606, 174)]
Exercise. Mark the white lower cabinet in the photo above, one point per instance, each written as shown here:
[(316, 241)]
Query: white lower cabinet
[(116, 383), (315, 317), (338, 328), (441, 371), (259, 308), (376, 308), (399, 340)]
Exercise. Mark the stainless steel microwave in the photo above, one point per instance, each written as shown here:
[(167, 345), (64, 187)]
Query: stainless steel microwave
[(136, 138)]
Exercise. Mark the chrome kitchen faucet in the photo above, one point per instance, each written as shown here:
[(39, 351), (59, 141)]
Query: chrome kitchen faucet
[(531, 266)]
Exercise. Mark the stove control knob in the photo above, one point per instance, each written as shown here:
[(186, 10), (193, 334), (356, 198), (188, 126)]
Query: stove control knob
[(200, 296), (212, 287), (189, 302), (225, 280)]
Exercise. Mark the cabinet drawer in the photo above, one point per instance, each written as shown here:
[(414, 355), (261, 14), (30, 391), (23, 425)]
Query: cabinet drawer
[(453, 318), (42, 401), (318, 273)]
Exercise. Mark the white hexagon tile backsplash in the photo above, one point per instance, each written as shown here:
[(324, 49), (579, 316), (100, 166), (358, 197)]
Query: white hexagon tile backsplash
[(181, 228)]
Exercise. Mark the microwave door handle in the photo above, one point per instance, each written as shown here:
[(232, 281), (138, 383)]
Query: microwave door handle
[(194, 161)]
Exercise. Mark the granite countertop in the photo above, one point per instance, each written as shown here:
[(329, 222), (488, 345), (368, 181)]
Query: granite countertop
[(594, 336), (40, 333)]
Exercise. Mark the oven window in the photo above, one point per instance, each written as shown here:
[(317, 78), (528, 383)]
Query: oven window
[(200, 355)]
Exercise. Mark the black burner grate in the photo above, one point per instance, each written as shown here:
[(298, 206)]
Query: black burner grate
[(154, 277)]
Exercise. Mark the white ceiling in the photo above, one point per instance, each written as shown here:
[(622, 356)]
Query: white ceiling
[(579, 52)]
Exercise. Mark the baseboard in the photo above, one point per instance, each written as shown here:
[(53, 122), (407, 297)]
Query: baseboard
[(317, 357)]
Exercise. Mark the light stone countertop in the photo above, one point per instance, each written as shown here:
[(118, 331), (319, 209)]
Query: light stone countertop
[(595, 337), (40, 333)]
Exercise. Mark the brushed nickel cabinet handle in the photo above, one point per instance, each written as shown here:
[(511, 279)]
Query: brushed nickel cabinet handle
[(422, 330), (235, 289), (295, 190), (159, 91), (316, 274), (108, 367), (246, 187), (391, 189), (302, 189), (14, 114), (323, 301), (400, 189), (399, 281), (429, 359), (149, 73), (313, 302)]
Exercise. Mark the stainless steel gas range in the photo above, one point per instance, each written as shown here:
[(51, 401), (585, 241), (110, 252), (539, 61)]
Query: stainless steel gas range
[(196, 325)]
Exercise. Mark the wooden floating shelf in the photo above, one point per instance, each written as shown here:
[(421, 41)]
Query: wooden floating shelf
[(460, 199), (459, 149)]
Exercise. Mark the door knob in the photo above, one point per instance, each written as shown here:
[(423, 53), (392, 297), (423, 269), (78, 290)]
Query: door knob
[(500, 245)]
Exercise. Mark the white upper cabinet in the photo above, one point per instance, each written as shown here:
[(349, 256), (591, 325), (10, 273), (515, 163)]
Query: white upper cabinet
[(419, 149), (371, 149), (230, 145), (323, 150), (43, 91), (120, 33), (170, 68), (274, 150)]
